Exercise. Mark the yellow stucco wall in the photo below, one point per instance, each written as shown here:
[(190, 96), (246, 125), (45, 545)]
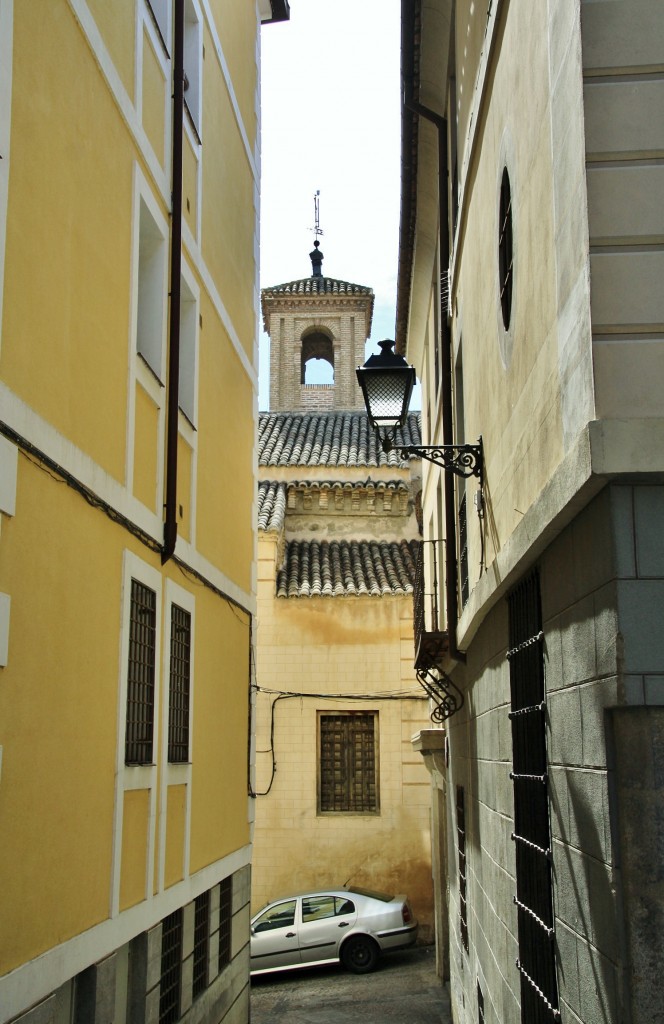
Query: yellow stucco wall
[(58, 696), (146, 449), (175, 834), (135, 826), (221, 735), (64, 345), (79, 828)]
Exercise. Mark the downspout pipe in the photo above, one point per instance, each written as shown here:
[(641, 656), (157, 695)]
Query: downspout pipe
[(173, 391), (451, 567)]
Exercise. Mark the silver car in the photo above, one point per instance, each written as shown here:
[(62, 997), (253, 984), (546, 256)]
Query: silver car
[(350, 925)]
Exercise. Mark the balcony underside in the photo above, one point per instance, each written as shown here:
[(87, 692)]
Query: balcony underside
[(431, 649)]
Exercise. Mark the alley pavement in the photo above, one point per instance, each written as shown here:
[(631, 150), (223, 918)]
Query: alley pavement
[(404, 989)]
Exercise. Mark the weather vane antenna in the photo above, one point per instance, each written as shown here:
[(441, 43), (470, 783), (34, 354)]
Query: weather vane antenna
[(317, 228)]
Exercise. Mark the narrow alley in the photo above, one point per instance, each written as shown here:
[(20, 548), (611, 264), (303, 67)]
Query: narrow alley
[(403, 990)]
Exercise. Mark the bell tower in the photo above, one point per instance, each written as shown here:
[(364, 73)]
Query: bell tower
[(316, 318)]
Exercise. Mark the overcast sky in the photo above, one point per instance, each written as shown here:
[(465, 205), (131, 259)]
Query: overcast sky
[(331, 122)]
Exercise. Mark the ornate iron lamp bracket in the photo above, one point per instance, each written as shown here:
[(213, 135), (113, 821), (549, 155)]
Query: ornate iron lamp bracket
[(464, 460)]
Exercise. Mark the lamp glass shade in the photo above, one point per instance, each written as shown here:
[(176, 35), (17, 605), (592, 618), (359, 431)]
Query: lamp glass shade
[(387, 383)]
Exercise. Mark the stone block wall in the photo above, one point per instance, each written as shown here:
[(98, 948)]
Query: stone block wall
[(602, 584)]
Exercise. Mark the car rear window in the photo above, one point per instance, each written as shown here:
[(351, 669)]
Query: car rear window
[(383, 896)]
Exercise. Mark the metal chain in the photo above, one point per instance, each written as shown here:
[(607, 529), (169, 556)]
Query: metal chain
[(526, 643)]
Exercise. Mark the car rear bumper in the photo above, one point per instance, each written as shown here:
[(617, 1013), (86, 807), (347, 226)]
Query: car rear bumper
[(398, 938)]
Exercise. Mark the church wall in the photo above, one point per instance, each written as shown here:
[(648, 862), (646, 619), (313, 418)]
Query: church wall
[(337, 646)]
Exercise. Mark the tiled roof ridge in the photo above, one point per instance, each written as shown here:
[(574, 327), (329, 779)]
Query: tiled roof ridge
[(344, 568), (316, 286), (326, 439)]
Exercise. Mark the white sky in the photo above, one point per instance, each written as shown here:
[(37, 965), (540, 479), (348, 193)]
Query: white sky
[(331, 121)]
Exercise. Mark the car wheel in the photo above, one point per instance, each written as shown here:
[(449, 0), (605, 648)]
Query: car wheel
[(359, 954)]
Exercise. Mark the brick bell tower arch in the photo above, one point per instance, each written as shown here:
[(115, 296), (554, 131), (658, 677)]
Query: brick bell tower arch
[(316, 318)]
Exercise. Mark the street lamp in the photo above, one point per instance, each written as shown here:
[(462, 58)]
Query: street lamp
[(386, 381)]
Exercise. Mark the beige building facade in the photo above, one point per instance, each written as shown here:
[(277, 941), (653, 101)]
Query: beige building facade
[(532, 190), (340, 794)]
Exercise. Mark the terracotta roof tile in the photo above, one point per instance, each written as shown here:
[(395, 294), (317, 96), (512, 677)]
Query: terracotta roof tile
[(271, 505), (326, 439), (343, 568), (317, 286)]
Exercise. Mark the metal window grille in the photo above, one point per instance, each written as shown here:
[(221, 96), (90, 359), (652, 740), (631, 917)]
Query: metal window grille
[(463, 551), (201, 942), (347, 763), (171, 968), (179, 686), (461, 845), (505, 248), (225, 921), (532, 828), (141, 674)]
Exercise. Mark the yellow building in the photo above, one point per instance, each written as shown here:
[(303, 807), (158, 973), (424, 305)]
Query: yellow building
[(341, 795), (127, 562)]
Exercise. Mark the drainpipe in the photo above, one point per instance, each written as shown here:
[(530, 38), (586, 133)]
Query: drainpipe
[(451, 568), (172, 400)]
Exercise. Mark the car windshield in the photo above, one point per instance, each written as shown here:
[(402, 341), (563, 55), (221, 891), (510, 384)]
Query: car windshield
[(382, 896)]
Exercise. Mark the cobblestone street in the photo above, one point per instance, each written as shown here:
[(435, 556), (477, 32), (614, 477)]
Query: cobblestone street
[(403, 990)]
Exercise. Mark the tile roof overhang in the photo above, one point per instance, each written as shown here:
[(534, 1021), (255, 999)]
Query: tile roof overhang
[(347, 568), (319, 291), (277, 498), (327, 439)]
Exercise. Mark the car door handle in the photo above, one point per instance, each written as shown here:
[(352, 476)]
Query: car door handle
[(290, 935), (343, 924)]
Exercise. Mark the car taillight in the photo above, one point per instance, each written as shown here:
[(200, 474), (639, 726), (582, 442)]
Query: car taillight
[(406, 914)]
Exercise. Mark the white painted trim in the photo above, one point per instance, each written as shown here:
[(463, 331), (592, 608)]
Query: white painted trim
[(144, 776), (188, 432), (6, 54), (29, 424), (119, 93), (35, 980), (192, 557), (8, 476), (146, 27), (196, 259), (5, 610), (137, 369), (221, 59), (175, 774), (26, 422)]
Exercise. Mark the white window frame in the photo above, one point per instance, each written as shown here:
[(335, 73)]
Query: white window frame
[(139, 371), (151, 289), (193, 62), (128, 777), (160, 10), (189, 338)]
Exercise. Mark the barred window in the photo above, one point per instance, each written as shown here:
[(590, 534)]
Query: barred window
[(201, 942), (532, 828), (461, 846), (348, 763), (225, 921), (141, 674), (171, 968), (179, 686), (505, 249)]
